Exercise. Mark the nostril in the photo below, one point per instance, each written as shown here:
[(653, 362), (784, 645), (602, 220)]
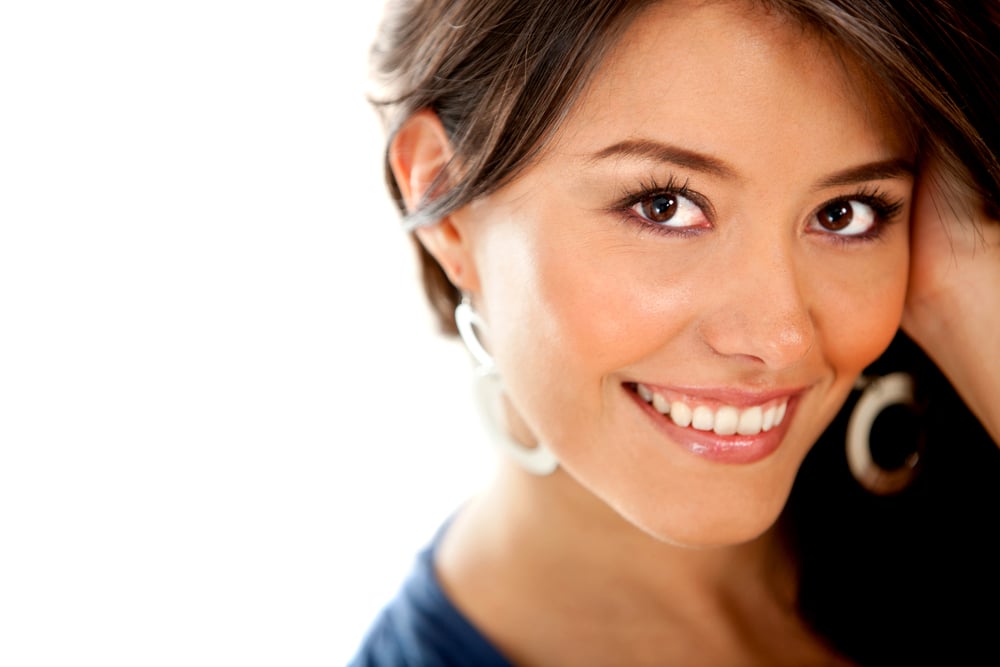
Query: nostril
[(777, 341)]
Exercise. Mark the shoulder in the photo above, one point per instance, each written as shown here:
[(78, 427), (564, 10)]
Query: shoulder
[(421, 627)]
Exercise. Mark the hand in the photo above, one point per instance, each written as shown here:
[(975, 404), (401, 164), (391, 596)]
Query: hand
[(954, 253), (952, 305)]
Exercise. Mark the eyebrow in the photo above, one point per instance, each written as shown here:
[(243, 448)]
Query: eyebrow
[(647, 149), (873, 171)]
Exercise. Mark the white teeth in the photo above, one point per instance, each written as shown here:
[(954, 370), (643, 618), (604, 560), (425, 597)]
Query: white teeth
[(769, 418), (702, 418), (751, 421), (680, 413), (724, 420)]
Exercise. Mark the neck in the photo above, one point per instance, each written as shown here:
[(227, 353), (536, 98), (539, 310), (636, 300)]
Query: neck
[(548, 540), (553, 519)]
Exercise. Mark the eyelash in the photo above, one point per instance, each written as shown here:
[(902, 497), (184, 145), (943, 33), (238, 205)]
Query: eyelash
[(885, 208), (649, 189)]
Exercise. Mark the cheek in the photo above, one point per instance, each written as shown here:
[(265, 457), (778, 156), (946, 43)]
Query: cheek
[(571, 312), (859, 317), (600, 307)]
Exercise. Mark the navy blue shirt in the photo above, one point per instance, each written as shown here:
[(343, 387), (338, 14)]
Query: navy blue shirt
[(421, 627)]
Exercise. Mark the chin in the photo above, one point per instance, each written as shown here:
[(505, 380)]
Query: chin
[(701, 530), (712, 540)]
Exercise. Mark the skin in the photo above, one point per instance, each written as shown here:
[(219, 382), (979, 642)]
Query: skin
[(951, 312), (637, 551), (759, 299)]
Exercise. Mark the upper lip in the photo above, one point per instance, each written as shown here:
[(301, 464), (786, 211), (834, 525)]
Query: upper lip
[(734, 396)]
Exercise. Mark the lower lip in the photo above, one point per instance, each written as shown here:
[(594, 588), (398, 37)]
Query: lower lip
[(720, 448)]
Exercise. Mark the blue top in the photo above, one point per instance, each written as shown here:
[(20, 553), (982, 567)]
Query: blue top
[(421, 627)]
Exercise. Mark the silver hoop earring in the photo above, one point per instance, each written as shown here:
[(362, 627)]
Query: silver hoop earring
[(538, 460), (466, 320), (879, 394)]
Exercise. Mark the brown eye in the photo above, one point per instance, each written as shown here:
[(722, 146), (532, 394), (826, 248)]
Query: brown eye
[(847, 217), (673, 210), (836, 216), (659, 208)]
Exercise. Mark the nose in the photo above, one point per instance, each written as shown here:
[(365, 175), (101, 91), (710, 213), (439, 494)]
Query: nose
[(762, 314)]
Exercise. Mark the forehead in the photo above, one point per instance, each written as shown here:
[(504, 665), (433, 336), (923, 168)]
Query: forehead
[(720, 72)]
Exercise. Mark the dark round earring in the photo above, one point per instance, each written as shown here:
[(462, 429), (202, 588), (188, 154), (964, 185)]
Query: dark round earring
[(884, 465)]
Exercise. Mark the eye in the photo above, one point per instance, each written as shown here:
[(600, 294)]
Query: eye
[(847, 217), (669, 209)]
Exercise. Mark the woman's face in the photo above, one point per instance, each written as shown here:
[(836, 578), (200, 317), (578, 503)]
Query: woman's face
[(718, 233)]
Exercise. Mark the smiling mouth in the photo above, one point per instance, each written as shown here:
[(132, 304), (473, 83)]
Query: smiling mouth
[(720, 419)]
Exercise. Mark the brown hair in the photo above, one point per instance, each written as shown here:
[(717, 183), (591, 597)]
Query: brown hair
[(502, 74)]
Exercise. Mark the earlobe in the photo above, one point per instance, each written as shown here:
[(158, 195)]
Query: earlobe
[(417, 155), (446, 243)]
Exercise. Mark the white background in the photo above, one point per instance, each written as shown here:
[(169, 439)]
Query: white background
[(226, 420)]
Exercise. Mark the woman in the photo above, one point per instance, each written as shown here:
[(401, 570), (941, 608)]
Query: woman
[(680, 238)]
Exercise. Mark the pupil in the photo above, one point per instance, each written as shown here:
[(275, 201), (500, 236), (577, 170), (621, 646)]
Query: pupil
[(836, 216), (661, 208)]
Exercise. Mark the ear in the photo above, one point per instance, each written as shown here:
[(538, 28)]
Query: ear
[(418, 153)]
